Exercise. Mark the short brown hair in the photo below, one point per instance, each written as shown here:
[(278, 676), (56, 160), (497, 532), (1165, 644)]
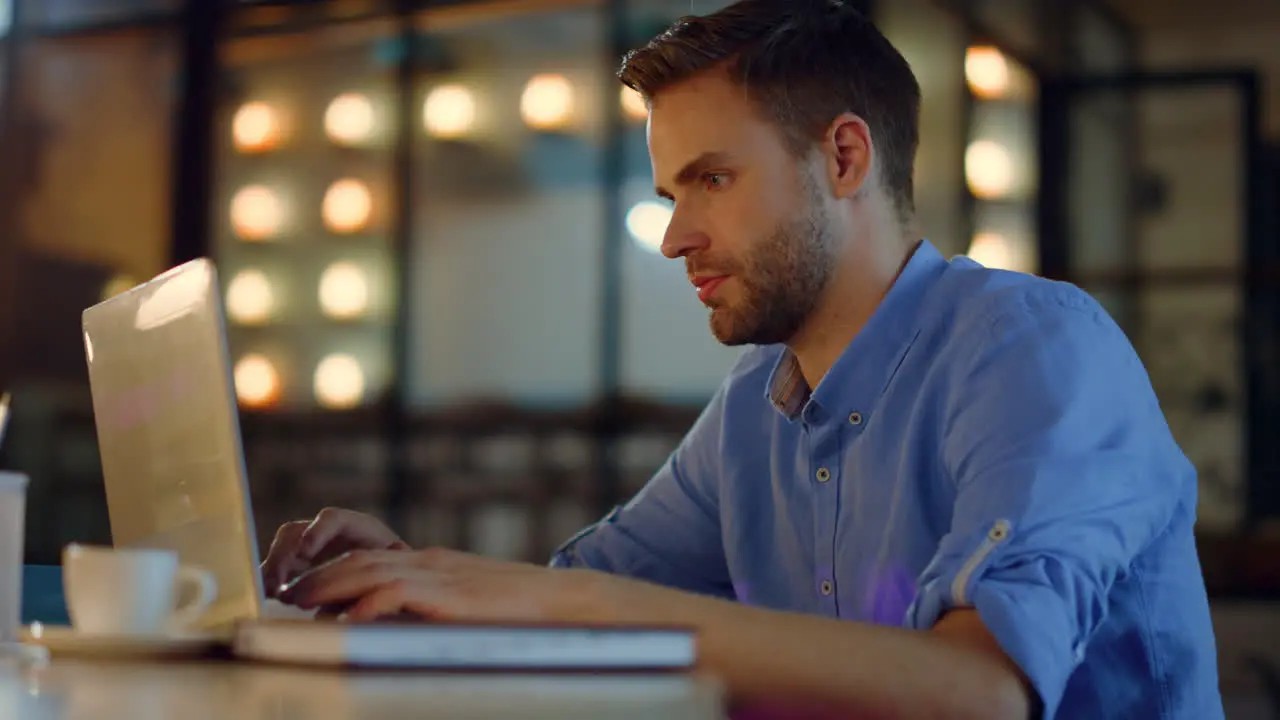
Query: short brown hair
[(803, 63)]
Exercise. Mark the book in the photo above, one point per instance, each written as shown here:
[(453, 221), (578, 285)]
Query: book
[(467, 646)]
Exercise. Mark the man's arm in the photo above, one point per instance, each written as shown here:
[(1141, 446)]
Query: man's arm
[(802, 666), (812, 666), (669, 533), (1064, 472)]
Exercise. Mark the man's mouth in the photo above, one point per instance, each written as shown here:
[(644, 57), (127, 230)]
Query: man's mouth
[(707, 285)]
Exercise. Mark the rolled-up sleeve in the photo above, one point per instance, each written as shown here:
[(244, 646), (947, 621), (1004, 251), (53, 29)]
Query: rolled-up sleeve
[(1064, 471), (669, 533)]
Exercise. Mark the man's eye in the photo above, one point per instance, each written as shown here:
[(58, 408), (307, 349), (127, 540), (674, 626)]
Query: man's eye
[(716, 181)]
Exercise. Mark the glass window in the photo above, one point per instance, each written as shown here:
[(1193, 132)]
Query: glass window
[(1099, 44), (933, 42), (1001, 167), (70, 14), (1190, 251), (304, 216), (1017, 24), (1101, 179), (1165, 260), (505, 281), (1189, 340)]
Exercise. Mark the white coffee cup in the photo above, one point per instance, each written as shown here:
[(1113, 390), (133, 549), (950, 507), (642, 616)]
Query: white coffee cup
[(133, 591)]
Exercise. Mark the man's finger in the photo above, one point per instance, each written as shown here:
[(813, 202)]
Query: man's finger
[(283, 572), (343, 580), (402, 601), (396, 598), (328, 524), (282, 552)]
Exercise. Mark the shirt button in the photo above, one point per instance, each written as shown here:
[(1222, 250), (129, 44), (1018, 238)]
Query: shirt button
[(827, 587), (823, 475), (855, 418)]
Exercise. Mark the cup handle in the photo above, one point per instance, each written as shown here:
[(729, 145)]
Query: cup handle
[(206, 590)]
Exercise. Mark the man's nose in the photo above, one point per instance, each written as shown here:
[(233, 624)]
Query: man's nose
[(683, 238)]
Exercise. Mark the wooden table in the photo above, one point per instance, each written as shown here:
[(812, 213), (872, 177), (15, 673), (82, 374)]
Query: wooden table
[(71, 689)]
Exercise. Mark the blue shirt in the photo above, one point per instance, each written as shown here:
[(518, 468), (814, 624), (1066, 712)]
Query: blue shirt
[(989, 440)]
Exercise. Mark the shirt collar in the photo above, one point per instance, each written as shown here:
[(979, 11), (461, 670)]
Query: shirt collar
[(865, 367)]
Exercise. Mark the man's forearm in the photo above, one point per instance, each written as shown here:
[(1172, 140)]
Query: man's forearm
[(884, 672), (880, 672)]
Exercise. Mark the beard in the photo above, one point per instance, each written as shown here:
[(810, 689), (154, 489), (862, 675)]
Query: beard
[(781, 279)]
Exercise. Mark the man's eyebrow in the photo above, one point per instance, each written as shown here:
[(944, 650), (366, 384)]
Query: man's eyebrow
[(695, 169)]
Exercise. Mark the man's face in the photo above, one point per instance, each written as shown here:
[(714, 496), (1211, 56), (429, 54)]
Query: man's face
[(750, 219)]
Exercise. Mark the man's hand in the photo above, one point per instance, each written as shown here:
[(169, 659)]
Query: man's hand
[(446, 585), (302, 545)]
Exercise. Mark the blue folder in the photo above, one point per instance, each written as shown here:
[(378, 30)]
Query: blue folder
[(42, 598)]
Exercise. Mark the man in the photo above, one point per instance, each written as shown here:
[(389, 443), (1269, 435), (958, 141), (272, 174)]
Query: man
[(931, 490)]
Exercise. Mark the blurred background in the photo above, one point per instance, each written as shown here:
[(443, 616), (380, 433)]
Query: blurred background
[(437, 237)]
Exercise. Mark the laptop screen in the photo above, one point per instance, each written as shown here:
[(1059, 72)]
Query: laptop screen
[(168, 431)]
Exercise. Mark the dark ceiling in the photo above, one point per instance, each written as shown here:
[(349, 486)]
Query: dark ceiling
[(1156, 14)]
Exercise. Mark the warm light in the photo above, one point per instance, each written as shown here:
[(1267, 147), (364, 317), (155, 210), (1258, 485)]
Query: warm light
[(250, 299), (997, 251), (547, 103), (344, 291), (256, 380), (988, 169), (349, 120), (647, 222), (339, 382), (347, 206), (256, 213), (987, 72), (449, 112), (255, 128), (117, 285), (633, 104)]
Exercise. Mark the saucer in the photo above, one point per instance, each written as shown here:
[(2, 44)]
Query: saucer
[(64, 640)]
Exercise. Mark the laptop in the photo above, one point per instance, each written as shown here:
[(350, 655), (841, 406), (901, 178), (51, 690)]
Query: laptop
[(169, 432), (173, 466)]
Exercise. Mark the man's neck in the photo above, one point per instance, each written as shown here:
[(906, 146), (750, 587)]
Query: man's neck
[(853, 293)]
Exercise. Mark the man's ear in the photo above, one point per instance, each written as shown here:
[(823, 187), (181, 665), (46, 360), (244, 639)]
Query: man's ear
[(849, 153)]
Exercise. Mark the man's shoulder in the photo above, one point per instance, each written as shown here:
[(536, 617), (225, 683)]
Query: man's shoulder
[(973, 302)]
